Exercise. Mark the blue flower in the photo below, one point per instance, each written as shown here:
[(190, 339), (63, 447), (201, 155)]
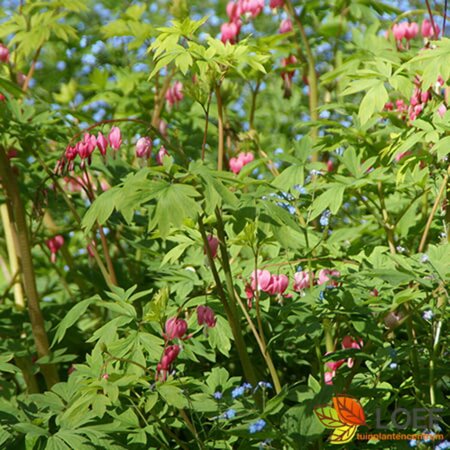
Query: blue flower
[(247, 386), (257, 426), (428, 315), (325, 218), (229, 414), (321, 295), (237, 392), (300, 189), (217, 395), (413, 443), (393, 365), (265, 385), (424, 258), (443, 445)]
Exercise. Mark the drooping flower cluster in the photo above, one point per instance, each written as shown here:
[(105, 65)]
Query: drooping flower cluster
[(332, 366), (54, 244), (263, 280), (304, 279), (176, 329), (169, 356), (235, 9), (400, 108), (236, 164), (408, 31), (85, 148), (174, 94)]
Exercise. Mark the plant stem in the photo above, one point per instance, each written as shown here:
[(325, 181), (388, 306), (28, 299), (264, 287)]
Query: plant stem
[(389, 228), (432, 213), (32, 68), (220, 153), (433, 25), (253, 106), (312, 75), (229, 311), (11, 187), (205, 133), (12, 255), (262, 347)]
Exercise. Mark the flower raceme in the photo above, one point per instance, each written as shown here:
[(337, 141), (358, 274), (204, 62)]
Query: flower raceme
[(305, 279), (236, 164), (263, 280), (54, 244), (206, 316), (85, 148)]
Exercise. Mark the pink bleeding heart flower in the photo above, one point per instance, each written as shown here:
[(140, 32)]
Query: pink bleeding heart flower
[(328, 377), (234, 11), (303, 280), (442, 110), (54, 244), (252, 8), (160, 155), (399, 30), (235, 165), (229, 32), (349, 343), (115, 138), (279, 284), (261, 280), (276, 4), (175, 93), (175, 328), (102, 143), (323, 277), (144, 147), (4, 54), (286, 26), (169, 356), (213, 244), (206, 316), (411, 30), (163, 128)]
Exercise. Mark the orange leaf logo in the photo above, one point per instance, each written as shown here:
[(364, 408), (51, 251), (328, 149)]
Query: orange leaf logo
[(328, 417), (343, 434), (349, 410)]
